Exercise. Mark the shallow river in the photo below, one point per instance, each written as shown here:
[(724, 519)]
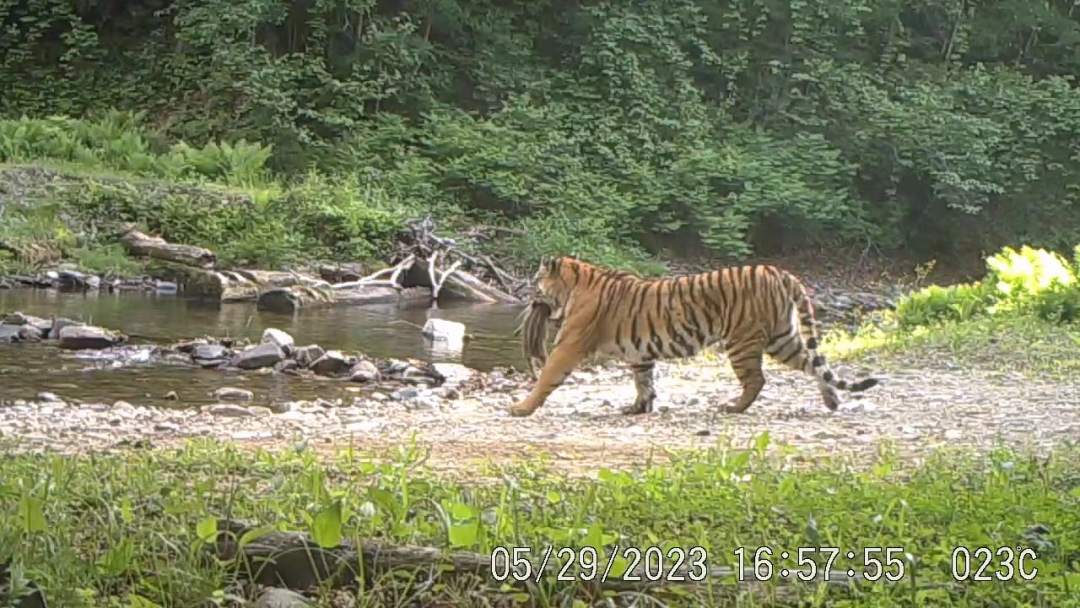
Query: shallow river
[(379, 331)]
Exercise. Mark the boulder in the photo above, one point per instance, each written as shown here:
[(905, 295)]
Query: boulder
[(364, 371), (309, 354), (332, 363), (442, 330), (263, 355), (284, 341), (78, 337), (292, 298), (73, 279)]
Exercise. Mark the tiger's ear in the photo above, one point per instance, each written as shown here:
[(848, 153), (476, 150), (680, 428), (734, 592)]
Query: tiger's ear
[(549, 264)]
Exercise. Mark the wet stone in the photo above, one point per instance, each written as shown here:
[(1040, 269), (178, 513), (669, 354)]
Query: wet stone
[(87, 337), (306, 355), (332, 363), (263, 355)]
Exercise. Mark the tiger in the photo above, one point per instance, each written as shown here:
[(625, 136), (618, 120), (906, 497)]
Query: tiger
[(749, 311)]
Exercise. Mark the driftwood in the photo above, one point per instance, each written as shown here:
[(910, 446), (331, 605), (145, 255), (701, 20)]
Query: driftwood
[(382, 295), (421, 252), (296, 297), (293, 560), (466, 286), (158, 248)]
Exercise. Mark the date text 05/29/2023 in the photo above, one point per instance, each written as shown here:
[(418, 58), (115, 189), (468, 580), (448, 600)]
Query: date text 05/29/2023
[(675, 564)]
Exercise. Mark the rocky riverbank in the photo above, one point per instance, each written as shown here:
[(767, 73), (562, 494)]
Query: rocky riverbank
[(464, 419)]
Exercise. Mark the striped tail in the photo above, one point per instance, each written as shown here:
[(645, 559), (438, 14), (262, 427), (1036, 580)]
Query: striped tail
[(818, 366)]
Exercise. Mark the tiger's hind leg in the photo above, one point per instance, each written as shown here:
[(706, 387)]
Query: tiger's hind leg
[(646, 392), (745, 358)]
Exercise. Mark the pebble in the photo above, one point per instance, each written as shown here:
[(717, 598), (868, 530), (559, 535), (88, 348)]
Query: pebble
[(405, 394)]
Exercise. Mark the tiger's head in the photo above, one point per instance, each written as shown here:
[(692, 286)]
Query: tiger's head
[(556, 278)]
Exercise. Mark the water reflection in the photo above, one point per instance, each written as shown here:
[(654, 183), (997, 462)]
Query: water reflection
[(381, 331)]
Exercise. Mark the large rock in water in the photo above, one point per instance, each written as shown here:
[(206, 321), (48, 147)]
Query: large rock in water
[(17, 318), (263, 355), (333, 363), (364, 371), (77, 337), (441, 330), (282, 339), (293, 298)]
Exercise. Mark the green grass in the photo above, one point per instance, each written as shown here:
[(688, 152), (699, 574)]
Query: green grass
[(1009, 342), (123, 530)]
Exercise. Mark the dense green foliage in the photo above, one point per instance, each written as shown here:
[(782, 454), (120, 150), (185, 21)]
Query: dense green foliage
[(1028, 281), (128, 530), (64, 214), (608, 127)]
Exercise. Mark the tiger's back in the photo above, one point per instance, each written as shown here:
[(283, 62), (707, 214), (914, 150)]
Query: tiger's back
[(749, 310)]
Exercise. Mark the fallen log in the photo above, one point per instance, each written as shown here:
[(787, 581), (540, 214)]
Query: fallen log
[(296, 297), (158, 248), (465, 286)]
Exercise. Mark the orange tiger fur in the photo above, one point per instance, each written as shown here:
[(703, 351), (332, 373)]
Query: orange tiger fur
[(749, 310)]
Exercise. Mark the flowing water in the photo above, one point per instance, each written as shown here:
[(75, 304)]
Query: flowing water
[(378, 331)]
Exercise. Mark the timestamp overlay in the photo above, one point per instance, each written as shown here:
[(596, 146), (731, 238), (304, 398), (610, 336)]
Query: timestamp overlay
[(820, 563), (889, 564), (587, 564), (762, 564)]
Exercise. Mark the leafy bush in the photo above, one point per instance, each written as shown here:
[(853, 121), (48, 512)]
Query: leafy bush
[(1036, 280), (953, 303), (1026, 281)]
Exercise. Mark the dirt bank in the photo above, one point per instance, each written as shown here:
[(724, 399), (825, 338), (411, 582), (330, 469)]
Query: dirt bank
[(465, 424)]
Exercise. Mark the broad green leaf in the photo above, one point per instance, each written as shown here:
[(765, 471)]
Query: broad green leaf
[(326, 526)]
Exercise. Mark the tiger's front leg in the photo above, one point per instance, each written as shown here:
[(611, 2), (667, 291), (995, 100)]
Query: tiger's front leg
[(560, 363), (646, 393)]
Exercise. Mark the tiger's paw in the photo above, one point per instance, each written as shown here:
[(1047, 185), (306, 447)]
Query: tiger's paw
[(640, 406), (521, 410)]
